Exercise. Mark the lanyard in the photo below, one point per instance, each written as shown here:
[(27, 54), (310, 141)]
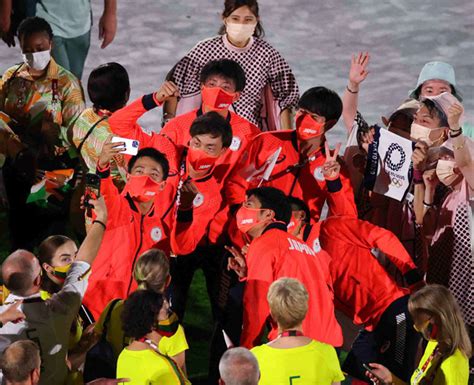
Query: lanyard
[(291, 333), (421, 372)]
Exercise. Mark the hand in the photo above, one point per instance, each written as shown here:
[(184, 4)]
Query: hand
[(419, 156), (12, 314), (5, 22), (380, 371), (454, 114), (167, 90), (99, 209), (331, 167), (109, 151), (365, 138), (236, 262), (107, 28), (108, 381), (430, 179), (358, 71), (188, 193)]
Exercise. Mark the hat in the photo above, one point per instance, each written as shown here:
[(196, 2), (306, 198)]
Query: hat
[(440, 71), (409, 107), (443, 102)]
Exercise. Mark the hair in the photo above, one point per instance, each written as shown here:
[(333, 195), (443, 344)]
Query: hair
[(238, 366), (226, 68), (438, 302), (213, 124), (152, 270), (297, 204), (46, 251), (108, 86), (154, 154), (140, 312), (435, 111), (324, 102), (288, 301), (21, 280), (32, 25), (231, 5), (273, 199), (19, 360)]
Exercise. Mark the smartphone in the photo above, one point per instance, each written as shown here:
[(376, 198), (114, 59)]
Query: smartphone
[(369, 369), (92, 191), (131, 145)]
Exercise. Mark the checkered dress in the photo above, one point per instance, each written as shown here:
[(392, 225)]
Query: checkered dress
[(263, 65)]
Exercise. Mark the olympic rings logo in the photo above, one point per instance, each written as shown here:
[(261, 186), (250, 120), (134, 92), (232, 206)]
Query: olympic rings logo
[(395, 147), (396, 182)]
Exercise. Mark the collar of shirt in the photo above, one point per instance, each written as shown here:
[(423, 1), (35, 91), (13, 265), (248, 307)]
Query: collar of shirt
[(231, 47), (12, 298), (276, 225), (51, 73)]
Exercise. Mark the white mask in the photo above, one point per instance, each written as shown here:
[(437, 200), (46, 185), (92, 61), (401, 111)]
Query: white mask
[(445, 171), (240, 32), (37, 60), (422, 133)]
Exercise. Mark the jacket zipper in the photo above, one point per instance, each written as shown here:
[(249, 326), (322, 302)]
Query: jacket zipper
[(136, 254)]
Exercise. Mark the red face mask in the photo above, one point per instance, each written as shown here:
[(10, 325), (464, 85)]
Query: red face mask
[(142, 188), (216, 99), (247, 218), (294, 223), (307, 127), (200, 161)]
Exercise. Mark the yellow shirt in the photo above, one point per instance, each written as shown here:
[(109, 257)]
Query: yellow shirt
[(313, 364), (146, 367), (169, 346), (454, 370)]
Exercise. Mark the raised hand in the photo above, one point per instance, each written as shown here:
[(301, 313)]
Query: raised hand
[(331, 167), (109, 151), (454, 115), (430, 179), (420, 156), (167, 90), (358, 71), (188, 193), (236, 262)]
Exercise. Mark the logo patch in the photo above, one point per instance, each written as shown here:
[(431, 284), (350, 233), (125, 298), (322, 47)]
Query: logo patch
[(316, 245), (235, 145), (198, 200), (318, 174), (156, 234)]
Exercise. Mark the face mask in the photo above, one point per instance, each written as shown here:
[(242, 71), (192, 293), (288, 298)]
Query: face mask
[(307, 127), (294, 224), (169, 326), (142, 188), (445, 171), (61, 272), (216, 99), (419, 132), (200, 161), (247, 218), (240, 32), (37, 60)]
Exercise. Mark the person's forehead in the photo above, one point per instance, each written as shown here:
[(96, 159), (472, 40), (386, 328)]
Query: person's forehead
[(219, 78), (243, 11), (435, 82), (146, 161), (207, 138), (254, 200)]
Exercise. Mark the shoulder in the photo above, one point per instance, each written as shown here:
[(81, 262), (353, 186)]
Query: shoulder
[(10, 71), (205, 44), (241, 124), (259, 351)]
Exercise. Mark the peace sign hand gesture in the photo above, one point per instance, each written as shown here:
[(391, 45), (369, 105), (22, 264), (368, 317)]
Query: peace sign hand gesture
[(331, 167), (236, 262)]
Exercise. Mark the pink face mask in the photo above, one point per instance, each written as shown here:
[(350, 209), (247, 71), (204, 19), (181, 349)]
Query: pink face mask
[(200, 161), (307, 127), (247, 218), (216, 99), (142, 188)]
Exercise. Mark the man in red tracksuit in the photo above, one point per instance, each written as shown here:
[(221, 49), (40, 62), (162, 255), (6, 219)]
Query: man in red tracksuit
[(137, 221), (299, 155), (363, 290), (272, 254)]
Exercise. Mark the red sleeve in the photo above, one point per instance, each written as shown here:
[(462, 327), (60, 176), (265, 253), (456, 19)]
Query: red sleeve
[(170, 130), (341, 196), (186, 233)]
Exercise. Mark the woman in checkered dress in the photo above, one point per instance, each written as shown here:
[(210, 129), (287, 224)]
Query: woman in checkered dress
[(271, 91)]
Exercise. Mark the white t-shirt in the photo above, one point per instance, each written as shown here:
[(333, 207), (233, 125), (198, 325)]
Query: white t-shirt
[(48, 323)]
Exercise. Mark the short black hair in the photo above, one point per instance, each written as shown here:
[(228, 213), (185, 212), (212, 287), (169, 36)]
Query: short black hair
[(109, 86), (436, 111), (226, 68), (324, 102), (140, 312), (273, 199), (154, 154), (297, 204), (213, 124), (32, 25)]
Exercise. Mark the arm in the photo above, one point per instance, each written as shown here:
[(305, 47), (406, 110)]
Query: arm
[(12, 314), (357, 74), (419, 157), (108, 23), (5, 16), (169, 109), (285, 119)]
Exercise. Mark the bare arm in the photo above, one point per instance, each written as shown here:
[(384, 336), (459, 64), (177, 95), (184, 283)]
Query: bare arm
[(108, 23), (285, 119), (169, 109), (5, 15)]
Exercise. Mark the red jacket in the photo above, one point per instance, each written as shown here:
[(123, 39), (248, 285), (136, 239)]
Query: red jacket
[(305, 182), (129, 233), (277, 254), (362, 288)]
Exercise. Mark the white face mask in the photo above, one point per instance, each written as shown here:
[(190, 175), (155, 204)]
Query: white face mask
[(445, 171), (424, 134), (37, 60), (240, 32)]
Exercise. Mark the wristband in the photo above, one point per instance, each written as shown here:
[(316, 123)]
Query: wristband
[(428, 205), (352, 92), (100, 223), (456, 133), (417, 176)]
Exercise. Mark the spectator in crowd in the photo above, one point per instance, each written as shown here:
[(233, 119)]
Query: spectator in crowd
[(267, 73), (152, 272), (238, 366), (445, 360), (49, 322), (292, 354), (272, 254), (141, 360), (139, 217), (39, 100)]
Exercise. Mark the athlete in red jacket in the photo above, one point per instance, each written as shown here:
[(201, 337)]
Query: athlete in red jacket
[(299, 154), (272, 254), (137, 221)]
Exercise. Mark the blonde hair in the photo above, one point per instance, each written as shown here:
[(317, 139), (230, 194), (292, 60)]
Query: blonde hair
[(152, 270), (288, 301), (438, 302)]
